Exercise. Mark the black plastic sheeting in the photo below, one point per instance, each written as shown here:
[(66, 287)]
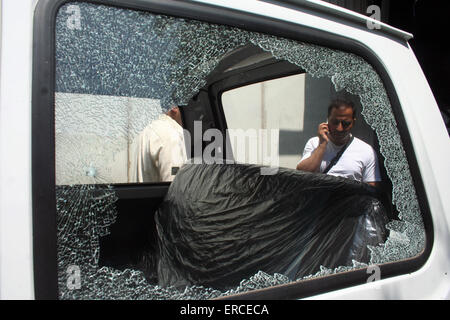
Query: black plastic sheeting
[(220, 224)]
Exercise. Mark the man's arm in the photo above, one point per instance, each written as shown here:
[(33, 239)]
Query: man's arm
[(172, 155), (312, 163), (144, 148), (371, 174)]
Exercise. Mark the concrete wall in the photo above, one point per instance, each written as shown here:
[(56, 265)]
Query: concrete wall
[(94, 133), (295, 105), (276, 104)]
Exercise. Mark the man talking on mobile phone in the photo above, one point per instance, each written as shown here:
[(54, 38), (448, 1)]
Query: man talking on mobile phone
[(335, 151)]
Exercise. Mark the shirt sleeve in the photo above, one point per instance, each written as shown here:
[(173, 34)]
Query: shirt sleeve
[(171, 157), (309, 148), (142, 166), (135, 169), (371, 171)]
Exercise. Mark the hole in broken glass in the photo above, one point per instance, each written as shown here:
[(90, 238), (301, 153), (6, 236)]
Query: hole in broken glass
[(94, 59)]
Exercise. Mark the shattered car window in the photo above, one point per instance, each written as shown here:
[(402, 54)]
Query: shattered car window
[(116, 71)]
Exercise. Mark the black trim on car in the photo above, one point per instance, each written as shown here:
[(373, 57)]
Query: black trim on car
[(43, 147), (43, 151), (265, 71), (141, 190)]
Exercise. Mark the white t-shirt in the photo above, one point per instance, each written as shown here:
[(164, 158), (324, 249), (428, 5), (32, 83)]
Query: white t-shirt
[(156, 150), (358, 162)]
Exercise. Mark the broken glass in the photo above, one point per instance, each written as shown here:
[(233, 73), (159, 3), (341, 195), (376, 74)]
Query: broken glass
[(118, 69)]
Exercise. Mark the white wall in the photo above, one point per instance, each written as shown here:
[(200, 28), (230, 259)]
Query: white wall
[(274, 104), (93, 135)]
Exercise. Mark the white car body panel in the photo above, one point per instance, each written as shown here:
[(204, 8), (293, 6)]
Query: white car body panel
[(428, 134), (16, 260)]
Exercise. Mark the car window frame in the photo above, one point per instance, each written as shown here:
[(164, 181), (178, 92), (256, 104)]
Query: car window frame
[(232, 81), (43, 134)]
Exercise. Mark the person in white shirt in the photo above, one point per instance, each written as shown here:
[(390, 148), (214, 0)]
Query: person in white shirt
[(358, 160), (159, 150)]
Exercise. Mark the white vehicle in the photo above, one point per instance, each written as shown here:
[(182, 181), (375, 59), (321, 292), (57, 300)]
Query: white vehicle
[(80, 80)]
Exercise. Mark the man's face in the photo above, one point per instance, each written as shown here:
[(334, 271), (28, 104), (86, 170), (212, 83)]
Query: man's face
[(340, 122)]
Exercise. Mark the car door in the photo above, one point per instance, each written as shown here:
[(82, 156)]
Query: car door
[(103, 71)]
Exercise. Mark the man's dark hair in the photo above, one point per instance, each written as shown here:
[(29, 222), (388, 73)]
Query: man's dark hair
[(336, 103)]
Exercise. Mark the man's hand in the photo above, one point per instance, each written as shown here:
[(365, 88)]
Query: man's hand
[(312, 163), (323, 132)]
